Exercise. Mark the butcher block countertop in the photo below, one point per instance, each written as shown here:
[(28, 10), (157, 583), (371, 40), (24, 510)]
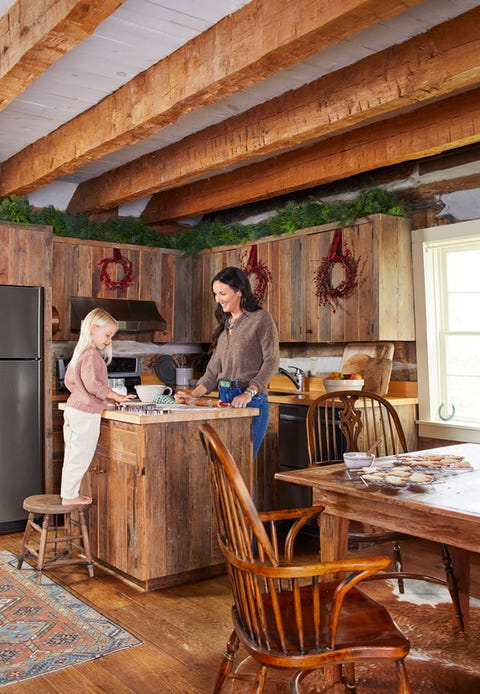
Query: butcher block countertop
[(181, 413), (399, 392)]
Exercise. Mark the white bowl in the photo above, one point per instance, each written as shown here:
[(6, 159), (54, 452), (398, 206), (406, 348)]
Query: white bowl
[(149, 393), (358, 460), (333, 384)]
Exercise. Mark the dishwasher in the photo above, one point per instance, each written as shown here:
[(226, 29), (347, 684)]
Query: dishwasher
[(293, 455)]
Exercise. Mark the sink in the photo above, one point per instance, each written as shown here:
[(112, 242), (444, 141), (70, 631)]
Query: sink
[(286, 394)]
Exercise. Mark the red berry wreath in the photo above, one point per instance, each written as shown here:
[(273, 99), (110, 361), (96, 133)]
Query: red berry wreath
[(261, 273), (128, 275), (329, 295)]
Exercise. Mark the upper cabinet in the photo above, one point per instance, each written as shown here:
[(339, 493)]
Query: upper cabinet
[(379, 306), (76, 272)]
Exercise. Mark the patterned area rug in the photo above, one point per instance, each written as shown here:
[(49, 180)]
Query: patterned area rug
[(44, 628)]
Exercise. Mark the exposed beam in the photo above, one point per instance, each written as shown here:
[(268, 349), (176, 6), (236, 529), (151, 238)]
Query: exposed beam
[(429, 130), (33, 35), (255, 42), (432, 65)]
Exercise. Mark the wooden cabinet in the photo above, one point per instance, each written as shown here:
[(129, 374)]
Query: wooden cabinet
[(381, 305), (152, 517), (379, 308), (77, 273)]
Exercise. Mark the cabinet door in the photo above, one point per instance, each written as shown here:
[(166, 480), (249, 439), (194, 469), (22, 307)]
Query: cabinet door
[(353, 316), (76, 266), (380, 306), (116, 483), (285, 298)]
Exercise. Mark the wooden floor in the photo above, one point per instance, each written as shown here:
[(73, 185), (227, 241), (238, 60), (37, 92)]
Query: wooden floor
[(183, 629)]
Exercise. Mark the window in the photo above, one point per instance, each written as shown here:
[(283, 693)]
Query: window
[(447, 307)]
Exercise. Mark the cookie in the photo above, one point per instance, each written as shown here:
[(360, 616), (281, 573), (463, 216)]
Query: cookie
[(421, 477), (373, 477), (396, 481), (400, 471), (463, 464)]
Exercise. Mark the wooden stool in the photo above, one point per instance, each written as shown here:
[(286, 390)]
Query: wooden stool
[(50, 506)]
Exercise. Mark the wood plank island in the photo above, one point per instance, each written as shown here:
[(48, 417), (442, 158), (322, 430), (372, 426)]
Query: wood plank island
[(152, 519)]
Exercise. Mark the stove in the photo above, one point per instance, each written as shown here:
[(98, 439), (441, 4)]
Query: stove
[(128, 368)]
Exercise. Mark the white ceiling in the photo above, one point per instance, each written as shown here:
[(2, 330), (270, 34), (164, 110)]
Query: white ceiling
[(142, 32)]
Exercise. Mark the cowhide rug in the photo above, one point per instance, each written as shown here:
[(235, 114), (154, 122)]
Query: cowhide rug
[(442, 659)]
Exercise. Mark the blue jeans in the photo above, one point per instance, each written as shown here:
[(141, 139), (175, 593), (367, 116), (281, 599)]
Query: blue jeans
[(259, 422)]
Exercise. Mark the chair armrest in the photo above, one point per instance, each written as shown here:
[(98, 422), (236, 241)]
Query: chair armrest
[(308, 512), (298, 518)]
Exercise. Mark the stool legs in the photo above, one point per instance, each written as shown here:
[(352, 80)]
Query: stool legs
[(74, 533), (26, 537), (86, 542)]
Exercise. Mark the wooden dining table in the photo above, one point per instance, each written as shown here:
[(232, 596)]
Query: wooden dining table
[(446, 510)]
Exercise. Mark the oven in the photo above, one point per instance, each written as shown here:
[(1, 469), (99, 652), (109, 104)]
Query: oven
[(128, 368)]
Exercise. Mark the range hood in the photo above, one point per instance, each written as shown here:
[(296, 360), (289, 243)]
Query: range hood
[(132, 315)]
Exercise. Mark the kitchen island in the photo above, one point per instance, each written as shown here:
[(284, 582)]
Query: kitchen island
[(152, 519)]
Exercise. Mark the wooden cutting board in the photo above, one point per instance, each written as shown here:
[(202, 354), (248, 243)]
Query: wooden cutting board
[(374, 360), (377, 375)]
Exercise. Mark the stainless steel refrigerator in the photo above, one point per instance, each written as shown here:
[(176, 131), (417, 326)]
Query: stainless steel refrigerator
[(21, 400)]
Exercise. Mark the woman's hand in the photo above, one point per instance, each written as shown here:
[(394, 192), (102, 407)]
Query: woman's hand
[(182, 397), (241, 400), (186, 397)]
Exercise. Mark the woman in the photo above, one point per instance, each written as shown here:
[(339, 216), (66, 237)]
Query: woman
[(245, 350)]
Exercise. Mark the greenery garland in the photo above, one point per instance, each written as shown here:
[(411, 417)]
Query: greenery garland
[(208, 233)]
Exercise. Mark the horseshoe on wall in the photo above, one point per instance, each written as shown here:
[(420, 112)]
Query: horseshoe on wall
[(445, 419)]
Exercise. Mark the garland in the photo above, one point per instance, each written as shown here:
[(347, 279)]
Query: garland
[(329, 295), (253, 266), (128, 274)]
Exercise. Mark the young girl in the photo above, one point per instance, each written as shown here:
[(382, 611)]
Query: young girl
[(87, 380)]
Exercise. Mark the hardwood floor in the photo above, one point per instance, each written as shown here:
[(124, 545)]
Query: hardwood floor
[(183, 629)]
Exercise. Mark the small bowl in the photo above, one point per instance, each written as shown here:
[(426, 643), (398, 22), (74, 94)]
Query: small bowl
[(354, 461), (331, 385), (149, 393)]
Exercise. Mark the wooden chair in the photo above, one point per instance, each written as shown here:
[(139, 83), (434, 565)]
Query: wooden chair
[(353, 421), (286, 613)]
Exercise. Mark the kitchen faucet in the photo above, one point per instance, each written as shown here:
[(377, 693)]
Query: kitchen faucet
[(296, 378)]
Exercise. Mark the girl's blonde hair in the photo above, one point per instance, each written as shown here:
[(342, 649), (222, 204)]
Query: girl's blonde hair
[(97, 317)]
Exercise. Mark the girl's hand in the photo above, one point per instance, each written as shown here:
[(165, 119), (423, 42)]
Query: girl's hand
[(117, 397)]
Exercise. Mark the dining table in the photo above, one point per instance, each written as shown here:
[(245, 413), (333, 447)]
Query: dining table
[(445, 509)]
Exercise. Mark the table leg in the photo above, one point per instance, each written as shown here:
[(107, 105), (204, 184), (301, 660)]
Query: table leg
[(461, 569), (333, 546), (333, 537)]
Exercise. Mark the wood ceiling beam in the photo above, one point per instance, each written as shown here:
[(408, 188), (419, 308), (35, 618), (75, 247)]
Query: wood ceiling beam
[(253, 43), (433, 65), (424, 132), (33, 35)]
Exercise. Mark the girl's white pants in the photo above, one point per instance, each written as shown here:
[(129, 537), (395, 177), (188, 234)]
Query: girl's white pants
[(80, 432)]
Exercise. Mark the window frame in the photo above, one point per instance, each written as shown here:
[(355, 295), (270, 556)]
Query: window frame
[(426, 330)]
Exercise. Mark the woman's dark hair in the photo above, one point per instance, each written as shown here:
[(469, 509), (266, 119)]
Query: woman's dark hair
[(235, 278)]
